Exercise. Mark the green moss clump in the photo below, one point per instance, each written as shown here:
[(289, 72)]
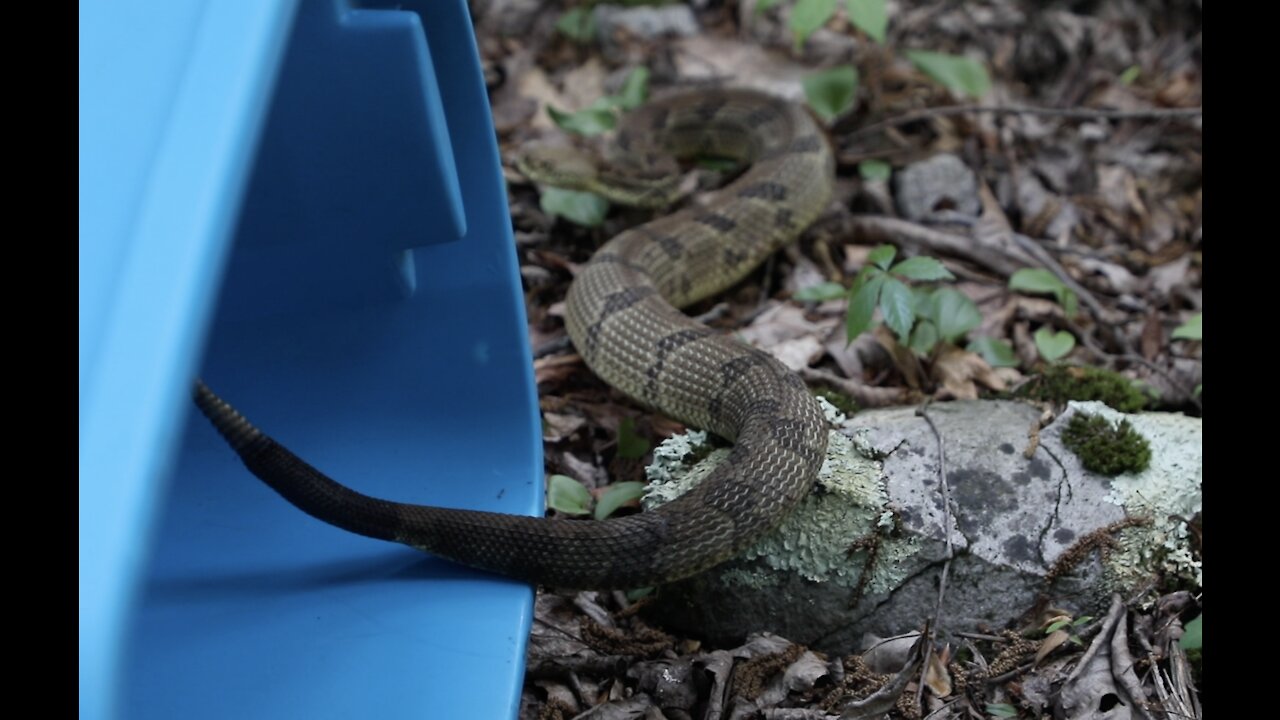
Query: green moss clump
[(1104, 448), (843, 403), (1059, 383)]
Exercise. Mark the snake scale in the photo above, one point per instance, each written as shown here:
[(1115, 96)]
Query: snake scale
[(621, 315)]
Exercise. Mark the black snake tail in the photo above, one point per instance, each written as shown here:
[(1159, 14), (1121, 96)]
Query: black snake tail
[(621, 314), (295, 479)]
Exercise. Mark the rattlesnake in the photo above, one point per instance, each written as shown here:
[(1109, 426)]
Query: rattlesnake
[(620, 313)]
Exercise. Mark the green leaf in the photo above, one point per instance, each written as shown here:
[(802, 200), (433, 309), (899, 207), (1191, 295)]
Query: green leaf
[(1039, 280), (635, 89), (608, 102), (718, 164), (862, 305), (956, 314), (1081, 620), (921, 268), (583, 208), (1191, 637), (1053, 627), (617, 495), (1067, 300), (591, 121), (923, 302), (763, 5), (809, 15), (1189, 330), (923, 337), (831, 92), (820, 292), (882, 256), (957, 73), (1130, 74), (578, 24), (1002, 710), (896, 304), (638, 594), (997, 353), (630, 445), (1036, 280), (869, 16), (1053, 345), (567, 495), (872, 170)]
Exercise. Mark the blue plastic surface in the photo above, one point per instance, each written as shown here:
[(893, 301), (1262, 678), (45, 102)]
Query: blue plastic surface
[(312, 192)]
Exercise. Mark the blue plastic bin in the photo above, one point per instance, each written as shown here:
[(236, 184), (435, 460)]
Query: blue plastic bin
[(300, 202)]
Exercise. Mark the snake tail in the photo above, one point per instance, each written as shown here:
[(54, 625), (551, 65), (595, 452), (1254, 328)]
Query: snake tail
[(621, 315)]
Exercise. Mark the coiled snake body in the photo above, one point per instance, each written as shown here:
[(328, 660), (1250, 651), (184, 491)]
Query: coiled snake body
[(621, 316)]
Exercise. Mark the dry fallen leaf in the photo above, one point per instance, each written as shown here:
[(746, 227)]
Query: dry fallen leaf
[(1050, 642), (783, 322), (904, 358), (556, 368), (732, 62), (957, 370), (888, 655), (558, 426), (936, 676)]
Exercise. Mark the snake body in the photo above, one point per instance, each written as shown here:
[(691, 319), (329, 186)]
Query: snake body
[(621, 315)]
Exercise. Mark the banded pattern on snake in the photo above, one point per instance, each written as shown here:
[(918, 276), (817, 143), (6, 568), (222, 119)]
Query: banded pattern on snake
[(621, 315)]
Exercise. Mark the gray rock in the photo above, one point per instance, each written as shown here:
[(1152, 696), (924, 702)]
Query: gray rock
[(942, 182), (878, 509)]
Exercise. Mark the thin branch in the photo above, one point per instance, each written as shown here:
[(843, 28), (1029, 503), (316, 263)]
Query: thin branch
[(944, 708), (919, 237), (864, 395), (1067, 113), (883, 700), (923, 411), (1168, 376), (1033, 248)]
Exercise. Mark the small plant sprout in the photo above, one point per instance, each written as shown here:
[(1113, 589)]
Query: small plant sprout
[(831, 92), (1189, 330), (920, 317)]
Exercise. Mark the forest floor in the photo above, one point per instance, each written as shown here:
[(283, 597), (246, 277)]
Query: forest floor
[(1047, 155)]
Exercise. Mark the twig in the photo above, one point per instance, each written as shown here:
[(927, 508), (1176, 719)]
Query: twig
[(883, 700), (946, 707), (1114, 615), (920, 237), (981, 636), (864, 395), (796, 714), (923, 411), (1177, 385), (1068, 113), (556, 668), (1032, 248)]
